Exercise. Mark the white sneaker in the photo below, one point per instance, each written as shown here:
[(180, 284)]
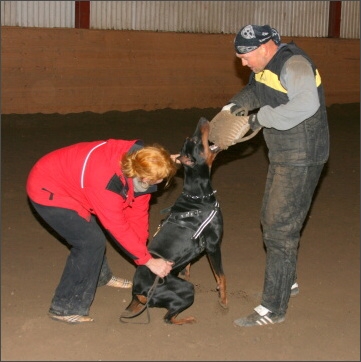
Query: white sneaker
[(294, 289)]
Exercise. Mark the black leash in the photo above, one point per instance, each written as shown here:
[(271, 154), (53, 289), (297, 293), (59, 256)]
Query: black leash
[(149, 295)]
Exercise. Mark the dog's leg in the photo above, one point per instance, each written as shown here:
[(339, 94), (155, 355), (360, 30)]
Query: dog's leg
[(142, 282), (221, 287), (186, 272), (216, 265), (176, 295)]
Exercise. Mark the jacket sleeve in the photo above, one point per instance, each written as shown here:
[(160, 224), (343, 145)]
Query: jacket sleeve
[(247, 97), (127, 224)]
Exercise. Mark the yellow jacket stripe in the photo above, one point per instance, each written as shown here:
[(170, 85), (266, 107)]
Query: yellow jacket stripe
[(271, 80)]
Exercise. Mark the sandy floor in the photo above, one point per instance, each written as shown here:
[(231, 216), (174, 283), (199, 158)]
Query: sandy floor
[(323, 321)]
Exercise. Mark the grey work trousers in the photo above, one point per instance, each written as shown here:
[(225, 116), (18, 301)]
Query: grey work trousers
[(287, 199)]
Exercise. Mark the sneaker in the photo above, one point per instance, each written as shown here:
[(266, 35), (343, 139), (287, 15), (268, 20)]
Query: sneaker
[(261, 317), (294, 289)]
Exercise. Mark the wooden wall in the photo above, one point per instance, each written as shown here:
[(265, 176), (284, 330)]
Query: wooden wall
[(75, 70)]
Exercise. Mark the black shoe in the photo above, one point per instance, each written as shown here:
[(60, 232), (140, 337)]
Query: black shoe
[(261, 317)]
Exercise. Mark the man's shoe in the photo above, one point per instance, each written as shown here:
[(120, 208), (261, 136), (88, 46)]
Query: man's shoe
[(261, 317), (294, 289)]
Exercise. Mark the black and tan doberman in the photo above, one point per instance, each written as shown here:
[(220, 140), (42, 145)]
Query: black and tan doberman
[(193, 227)]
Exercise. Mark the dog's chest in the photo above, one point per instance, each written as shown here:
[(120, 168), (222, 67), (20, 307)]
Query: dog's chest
[(180, 237)]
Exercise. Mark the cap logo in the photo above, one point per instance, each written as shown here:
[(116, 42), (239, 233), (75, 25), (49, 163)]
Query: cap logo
[(248, 32)]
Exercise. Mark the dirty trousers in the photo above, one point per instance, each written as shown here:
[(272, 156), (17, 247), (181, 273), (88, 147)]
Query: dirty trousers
[(288, 195)]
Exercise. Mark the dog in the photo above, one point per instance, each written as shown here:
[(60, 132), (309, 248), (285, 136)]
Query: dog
[(193, 227)]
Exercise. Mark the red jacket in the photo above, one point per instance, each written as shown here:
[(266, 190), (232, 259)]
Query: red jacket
[(86, 177)]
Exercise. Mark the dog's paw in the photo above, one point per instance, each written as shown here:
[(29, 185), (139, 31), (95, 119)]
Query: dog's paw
[(223, 302), (187, 320), (136, 306)]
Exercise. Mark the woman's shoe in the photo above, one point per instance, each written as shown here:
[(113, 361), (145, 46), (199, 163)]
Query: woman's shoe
[(71, 319), (119, 283)]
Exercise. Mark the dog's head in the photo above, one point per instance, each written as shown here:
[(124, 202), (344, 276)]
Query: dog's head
[(196, 149)]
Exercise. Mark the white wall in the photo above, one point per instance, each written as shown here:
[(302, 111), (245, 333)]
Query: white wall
[(290, 18)]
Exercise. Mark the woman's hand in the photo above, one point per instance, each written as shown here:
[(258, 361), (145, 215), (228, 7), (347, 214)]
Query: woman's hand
[(159, 267), (175, 158)]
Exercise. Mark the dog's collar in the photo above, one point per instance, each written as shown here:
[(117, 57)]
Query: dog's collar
[(199, 197)]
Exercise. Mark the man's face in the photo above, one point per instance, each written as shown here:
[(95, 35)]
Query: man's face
[(256, 60)]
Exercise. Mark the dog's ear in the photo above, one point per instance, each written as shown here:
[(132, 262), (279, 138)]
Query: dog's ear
[(209, 155), (205, 132)]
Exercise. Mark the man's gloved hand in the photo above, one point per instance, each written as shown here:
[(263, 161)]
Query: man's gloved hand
[(226, 129)]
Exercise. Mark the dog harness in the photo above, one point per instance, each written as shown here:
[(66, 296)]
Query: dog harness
[(180, 219)]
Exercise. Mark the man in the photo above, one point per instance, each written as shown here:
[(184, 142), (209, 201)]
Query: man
[(286, 97)]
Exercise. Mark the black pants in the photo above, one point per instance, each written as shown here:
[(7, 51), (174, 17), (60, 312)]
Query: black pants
[(86, 266)]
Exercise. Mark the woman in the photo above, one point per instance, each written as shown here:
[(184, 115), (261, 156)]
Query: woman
[(110, 182)]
